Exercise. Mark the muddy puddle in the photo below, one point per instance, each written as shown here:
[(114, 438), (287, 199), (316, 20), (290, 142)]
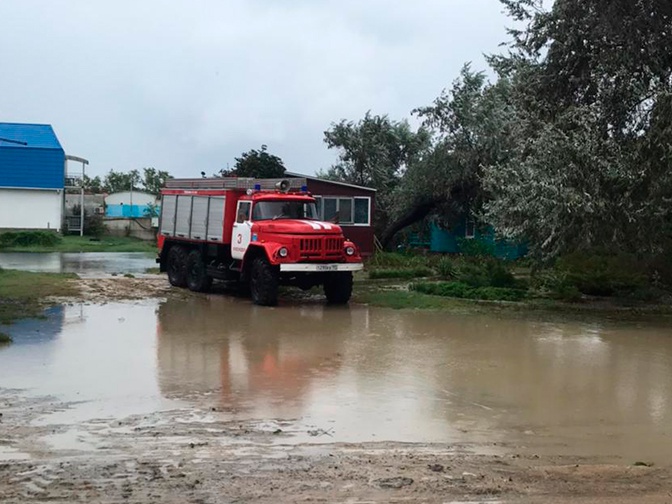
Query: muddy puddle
[(85, 264), (320, 374)]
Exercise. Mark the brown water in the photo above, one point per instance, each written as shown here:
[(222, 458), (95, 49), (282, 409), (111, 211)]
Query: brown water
[(85, 264), (359, 373)]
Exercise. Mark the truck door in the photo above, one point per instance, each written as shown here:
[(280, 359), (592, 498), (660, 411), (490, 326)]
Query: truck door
[(242, 230)]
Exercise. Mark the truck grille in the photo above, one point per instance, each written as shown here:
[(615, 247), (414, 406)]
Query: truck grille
[(321, 248)]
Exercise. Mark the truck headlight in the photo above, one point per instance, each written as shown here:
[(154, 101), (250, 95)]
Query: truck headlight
[(283, 252), (350, 250)]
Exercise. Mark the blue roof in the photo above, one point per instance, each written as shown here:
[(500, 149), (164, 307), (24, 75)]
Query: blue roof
[(35, 136), (31, 157)]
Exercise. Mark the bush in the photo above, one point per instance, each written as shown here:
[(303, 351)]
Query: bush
[(94, 225), (464, 291), (396, 260), (474, 247), (473, 274), (445, 267), (499, 275), (29, 239), (487, 273), (649, 294), (556, 285), (600, 274)]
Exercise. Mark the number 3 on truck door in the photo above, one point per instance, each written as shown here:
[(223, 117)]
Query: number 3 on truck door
[(242, 230)]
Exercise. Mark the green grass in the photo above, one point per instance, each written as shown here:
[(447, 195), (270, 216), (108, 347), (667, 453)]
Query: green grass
[(396, 260), (86, 244), (23, 294), (465, 291), (419, 271), (29, 238)]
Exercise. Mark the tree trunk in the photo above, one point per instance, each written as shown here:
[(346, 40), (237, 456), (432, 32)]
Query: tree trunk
[(459, 193), (414, 214)]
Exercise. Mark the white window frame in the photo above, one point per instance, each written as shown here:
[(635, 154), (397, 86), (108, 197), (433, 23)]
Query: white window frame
[(338, 206)]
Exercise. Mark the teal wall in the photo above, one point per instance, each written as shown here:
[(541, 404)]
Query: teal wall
[(131, 211), (448, 242)]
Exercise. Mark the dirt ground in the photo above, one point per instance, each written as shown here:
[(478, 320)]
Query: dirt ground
[(196, 455), (119, 288)]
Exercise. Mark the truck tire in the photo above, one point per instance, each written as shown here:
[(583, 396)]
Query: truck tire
[(338, 287), (177, 266), (197, 278), (263, 283)]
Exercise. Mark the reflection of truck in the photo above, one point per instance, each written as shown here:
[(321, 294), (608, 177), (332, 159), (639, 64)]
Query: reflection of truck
[(262, 233)]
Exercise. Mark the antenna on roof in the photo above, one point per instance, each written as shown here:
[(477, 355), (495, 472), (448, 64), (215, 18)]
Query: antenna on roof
[(13, 141)]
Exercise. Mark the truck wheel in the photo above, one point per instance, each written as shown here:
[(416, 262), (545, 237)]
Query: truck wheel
[(338, 287), (177, 266), (263, 283), (197, 278)]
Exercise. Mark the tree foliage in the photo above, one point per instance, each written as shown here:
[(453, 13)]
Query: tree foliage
[(592, 94), (375, 152), (570, 148), (116, 181), (151, 181), (470, 129), (93, 185), (256, 164)]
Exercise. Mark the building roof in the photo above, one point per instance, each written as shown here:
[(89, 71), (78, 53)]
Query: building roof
[(28, 136), (308, 177)]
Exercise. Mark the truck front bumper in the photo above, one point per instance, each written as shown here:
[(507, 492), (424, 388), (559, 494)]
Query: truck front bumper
[(321, 267)]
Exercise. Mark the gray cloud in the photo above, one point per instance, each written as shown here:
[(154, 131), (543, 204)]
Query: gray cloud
[(186, 86)]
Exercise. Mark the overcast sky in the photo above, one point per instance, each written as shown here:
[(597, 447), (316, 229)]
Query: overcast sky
[(185, 86)]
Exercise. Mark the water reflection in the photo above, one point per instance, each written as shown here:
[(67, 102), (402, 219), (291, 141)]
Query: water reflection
[(85, 264), (363, 374), (101, 358), (259, 361), (414, 376), (36, 331)]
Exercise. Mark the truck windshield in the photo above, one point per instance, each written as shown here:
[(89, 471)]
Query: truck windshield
[(271, 210)]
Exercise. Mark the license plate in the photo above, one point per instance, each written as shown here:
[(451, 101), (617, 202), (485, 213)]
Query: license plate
[(327, 267)]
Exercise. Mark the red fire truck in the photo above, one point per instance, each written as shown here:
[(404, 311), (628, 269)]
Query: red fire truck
[(259, 233)]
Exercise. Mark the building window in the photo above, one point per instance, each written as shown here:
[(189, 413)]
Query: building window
[(363, 211), (329, 208), (346, 210), (470, 228)]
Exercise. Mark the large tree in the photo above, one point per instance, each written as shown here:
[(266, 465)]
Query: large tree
[(592, 94), (256, 164), (153, 180), (375, 152), (470, 128)]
